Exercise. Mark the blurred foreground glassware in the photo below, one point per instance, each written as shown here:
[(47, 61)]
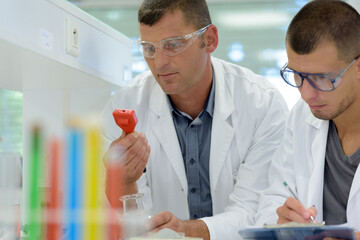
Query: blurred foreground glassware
[(10, 195), (135, 219)]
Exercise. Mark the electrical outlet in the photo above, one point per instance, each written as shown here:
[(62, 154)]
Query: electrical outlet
[(72, 38)]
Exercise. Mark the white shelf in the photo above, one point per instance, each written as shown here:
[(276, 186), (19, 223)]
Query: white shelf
[(39, 26), (57, 86)]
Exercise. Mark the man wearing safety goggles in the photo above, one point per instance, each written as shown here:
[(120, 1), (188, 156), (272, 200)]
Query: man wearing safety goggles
[(211, 126), (320, 155)]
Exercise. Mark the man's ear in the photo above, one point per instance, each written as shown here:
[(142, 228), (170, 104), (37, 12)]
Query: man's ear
[(211, 38)]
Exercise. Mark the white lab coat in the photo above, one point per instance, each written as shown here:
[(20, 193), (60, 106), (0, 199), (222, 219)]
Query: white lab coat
[(300, 162), (248, 119)]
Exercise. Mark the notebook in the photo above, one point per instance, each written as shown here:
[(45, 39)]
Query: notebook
[(311, 231)]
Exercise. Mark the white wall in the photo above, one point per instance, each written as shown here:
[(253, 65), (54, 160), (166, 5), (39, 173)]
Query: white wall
[(355, 4)]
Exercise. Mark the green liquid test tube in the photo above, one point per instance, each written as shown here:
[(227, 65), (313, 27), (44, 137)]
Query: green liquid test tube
[(34, 210)]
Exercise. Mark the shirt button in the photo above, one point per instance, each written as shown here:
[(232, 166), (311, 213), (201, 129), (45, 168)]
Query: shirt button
[(192, 161), (195, 216), (193, 190)]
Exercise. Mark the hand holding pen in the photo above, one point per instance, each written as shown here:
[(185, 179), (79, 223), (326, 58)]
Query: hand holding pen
[(294, 211)]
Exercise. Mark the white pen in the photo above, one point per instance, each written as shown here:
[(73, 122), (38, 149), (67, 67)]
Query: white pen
[(293, 194)]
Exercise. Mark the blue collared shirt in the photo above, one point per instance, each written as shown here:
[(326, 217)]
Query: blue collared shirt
[(194, 136)]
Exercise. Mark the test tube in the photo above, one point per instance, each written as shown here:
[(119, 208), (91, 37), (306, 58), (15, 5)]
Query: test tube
[(10, 187), (74, 181), (34, 208)]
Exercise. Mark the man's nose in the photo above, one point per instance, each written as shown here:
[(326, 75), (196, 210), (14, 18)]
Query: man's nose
[(307, 91), (160, 59)]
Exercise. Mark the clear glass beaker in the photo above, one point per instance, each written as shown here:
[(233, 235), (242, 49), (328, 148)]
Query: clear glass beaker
[(132, 202), (135, 219)]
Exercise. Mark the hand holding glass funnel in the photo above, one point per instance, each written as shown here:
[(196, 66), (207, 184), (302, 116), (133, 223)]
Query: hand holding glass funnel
[(133, 218)]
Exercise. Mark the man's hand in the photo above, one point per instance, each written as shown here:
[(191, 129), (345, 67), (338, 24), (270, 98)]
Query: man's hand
[(125, 162), (191, 228), (294, 211), (133, 153)]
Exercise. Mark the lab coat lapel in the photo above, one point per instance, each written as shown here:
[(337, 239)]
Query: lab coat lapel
[(353, 206), (163, 126), (318, 148), (222, 132), (355, 188)]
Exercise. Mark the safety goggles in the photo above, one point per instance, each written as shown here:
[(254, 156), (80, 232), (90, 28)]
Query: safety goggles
[(170, 46), (322, 82)]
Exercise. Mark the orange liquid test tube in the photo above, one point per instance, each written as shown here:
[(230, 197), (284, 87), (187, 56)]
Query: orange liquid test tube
[(53, 229), (114, 181)]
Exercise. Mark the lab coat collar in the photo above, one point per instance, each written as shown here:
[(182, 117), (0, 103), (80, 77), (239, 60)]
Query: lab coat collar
[(316, 182), (316, 122), (355, 187), (354, 201), (224, 103), (222, 132), (163, 127), (318, 148), (221, 135)]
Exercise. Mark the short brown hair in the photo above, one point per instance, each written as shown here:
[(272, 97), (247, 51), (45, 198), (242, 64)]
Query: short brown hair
[(195, 12), (326, 21)]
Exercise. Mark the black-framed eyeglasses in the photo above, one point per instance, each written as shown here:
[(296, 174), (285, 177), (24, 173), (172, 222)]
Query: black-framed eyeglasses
[(170, 46), (322, 82)]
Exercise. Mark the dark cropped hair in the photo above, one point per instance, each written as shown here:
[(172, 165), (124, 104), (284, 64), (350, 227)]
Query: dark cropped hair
[(322, 21), (195, 12)]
